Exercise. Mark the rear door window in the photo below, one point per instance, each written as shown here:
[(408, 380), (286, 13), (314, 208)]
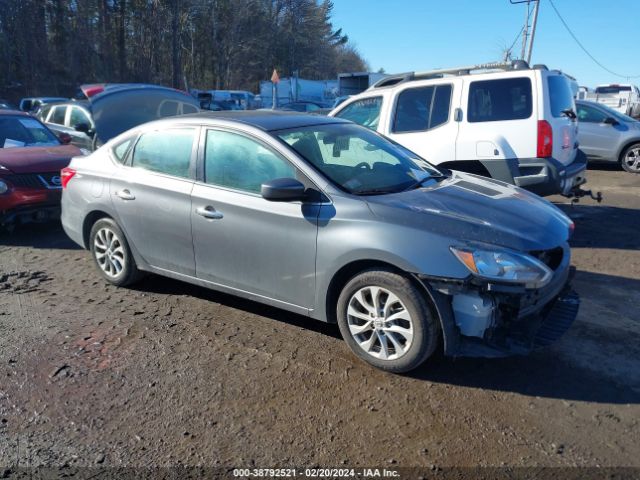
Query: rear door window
[(165, 151), (420, 109), (498, 100), (365, 112), (560, 95)]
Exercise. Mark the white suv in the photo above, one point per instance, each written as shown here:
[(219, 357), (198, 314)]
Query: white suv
[(507, 121)]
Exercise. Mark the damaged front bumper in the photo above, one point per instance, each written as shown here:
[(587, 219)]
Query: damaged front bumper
[(482, 319)]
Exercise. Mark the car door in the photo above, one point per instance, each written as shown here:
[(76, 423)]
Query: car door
[(78, 117), (152, 196), (421, 119), (597, 139), (240, 239)]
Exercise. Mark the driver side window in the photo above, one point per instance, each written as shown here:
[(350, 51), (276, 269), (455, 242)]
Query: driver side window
[(590, 115), (77, 117), (238, 162)]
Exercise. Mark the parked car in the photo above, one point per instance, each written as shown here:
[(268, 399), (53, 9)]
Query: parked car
[(301, 106), (92, 122), (31, 158), (623, 98), (605, 134), (506, 121), (328, 219), (31, 104)]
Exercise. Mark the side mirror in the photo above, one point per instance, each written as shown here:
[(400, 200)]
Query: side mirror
[(82, 127), (65, 138), (611, 121), (283, 190)]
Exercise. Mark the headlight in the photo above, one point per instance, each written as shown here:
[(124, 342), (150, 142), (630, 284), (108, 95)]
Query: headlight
[(504, 266), (4, 188)]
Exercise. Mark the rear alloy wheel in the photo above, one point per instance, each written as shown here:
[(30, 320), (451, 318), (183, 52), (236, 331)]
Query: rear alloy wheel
[(111, 253), (386, 321), (630, 160)]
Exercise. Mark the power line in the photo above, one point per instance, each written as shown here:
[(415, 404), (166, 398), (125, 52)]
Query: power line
[(585, 50)]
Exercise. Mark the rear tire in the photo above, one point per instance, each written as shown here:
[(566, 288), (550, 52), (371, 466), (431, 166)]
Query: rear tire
[(386, 321), (111, 253)]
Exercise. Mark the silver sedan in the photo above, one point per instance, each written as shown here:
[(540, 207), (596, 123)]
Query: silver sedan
[(607, 135), (328, 219)]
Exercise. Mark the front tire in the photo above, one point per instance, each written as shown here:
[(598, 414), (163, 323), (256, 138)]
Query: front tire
[(111, 253), (386, 321), (630, 158)]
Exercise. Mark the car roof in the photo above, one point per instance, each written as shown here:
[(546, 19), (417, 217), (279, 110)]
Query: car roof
[(267, 120)]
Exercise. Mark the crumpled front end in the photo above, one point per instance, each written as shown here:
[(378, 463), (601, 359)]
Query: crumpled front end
[(489, 319)]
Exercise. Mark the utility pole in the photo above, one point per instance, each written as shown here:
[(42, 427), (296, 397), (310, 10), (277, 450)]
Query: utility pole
[(533, 30), (527, 38)]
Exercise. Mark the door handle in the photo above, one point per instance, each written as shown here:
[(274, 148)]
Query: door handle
[(125, 195), (209, 212)]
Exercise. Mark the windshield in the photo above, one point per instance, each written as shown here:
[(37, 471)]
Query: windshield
[(24, 132), (358, 160), (613, 89)]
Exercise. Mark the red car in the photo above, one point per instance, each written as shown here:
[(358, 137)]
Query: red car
[(31, 158)]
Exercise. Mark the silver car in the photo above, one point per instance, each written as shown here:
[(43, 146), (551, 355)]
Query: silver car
[(605, 134), (328, 219)]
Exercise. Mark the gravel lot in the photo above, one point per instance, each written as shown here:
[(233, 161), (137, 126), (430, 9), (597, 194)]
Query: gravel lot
[(167, 373)]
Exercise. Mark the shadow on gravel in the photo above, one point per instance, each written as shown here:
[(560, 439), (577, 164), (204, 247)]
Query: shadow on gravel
[(38, 235), (162, 285), (542, 374), (604, 227), (605, 166)]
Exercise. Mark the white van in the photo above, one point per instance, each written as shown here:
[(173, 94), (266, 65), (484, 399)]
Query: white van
[(505, 121)]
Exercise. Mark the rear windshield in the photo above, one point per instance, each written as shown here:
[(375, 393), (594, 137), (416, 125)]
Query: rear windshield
[(24, 132), (560, 95), (613, 89), (496, 100)]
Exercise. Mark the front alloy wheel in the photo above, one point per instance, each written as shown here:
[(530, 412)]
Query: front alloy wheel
[(386, 320), (630, 160), (380, 323)]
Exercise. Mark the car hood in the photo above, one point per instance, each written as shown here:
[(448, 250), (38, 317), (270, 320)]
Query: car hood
[(475, 209), (37, 159), (121, 108)]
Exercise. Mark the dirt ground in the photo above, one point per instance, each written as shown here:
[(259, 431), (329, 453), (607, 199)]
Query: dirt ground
[(170, 374)]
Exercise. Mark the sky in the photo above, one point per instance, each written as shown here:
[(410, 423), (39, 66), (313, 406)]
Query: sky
[(414, 35)]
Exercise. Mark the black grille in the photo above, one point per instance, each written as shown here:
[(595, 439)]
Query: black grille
[(29, 180), (551, 258)]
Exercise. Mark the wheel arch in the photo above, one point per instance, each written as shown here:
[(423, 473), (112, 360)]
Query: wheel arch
[(89, 220), (625, 146), (475, 167)]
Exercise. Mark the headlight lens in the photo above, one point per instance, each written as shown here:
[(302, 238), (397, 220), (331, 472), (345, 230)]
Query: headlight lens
[(504, 266), (4, 188)]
